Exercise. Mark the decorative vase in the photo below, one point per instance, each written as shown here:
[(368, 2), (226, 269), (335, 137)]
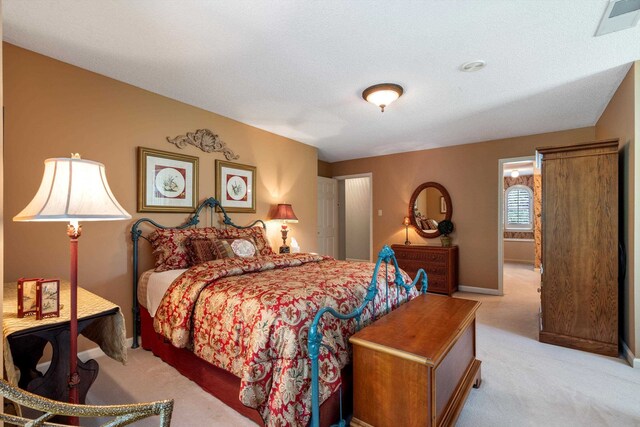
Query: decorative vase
[(446, 241)]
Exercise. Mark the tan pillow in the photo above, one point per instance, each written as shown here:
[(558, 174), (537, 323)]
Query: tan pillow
[(255, 234), (232, 248)]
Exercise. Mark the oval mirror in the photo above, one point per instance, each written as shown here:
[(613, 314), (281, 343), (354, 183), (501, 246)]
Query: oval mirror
[(430, 203)]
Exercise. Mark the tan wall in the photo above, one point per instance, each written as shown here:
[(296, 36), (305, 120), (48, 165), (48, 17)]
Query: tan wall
[(621, 119), (519, 250), (470, 174), (53, 109)]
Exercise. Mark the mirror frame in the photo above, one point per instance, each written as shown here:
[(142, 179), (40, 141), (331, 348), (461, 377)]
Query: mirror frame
[(412, 201)]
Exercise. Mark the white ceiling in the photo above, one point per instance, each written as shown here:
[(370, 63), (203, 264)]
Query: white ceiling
[(297, 68)]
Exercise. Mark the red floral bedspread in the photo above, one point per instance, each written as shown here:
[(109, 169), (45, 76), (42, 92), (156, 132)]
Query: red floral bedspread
[(251, 317)]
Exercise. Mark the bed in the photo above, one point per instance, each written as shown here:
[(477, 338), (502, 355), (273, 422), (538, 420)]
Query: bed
[(239, 325)]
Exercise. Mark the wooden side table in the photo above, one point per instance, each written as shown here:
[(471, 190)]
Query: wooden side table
[(98, 319), (416, 365), (440, 263)]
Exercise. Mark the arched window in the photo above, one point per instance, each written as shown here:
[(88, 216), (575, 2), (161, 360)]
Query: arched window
[(518, 208)]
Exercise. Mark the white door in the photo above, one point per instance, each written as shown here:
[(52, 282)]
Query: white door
[(327, 216)]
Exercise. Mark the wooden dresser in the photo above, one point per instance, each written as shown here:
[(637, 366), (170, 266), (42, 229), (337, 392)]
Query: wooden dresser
[(420, 375), (440, 263), (579, 292)]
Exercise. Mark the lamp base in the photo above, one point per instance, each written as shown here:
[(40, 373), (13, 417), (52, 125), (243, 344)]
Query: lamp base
[(284, 249)]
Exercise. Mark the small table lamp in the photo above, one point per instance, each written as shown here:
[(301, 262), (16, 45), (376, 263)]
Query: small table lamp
[(284, 213), (406, 223), (73, 190)]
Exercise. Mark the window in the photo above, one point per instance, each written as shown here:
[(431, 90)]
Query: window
[(518, 207)]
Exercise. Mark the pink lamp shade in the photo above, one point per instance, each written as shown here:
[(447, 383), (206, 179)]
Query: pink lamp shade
[(284, 213)]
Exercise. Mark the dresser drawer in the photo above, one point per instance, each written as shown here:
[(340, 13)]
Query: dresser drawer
[(431, 257), (440, 264)]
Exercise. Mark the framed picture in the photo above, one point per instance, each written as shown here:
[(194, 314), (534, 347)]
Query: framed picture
[(235, 186), (27, 297), (167, 182), (48, 298), (443, 205)]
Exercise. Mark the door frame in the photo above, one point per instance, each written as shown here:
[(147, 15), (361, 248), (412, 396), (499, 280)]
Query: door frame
[(370, 176), (501, 163)]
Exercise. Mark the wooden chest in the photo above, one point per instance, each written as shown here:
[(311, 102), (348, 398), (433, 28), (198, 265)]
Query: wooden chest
[(416, 365), (440, 263)]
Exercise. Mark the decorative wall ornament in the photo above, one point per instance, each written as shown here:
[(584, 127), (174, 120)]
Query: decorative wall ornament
[(205, 140)]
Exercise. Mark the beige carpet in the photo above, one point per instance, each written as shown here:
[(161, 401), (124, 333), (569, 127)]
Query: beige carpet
[(525, 383)]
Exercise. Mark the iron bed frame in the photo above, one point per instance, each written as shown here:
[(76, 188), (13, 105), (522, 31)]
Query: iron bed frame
[(136, 235), (314, 344)]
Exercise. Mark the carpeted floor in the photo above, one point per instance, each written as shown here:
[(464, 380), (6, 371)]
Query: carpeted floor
[(525, 382)]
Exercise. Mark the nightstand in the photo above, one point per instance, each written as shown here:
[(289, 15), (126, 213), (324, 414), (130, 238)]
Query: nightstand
[(98, 319)]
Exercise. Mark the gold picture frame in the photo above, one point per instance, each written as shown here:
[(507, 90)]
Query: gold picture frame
[(236, 186), (167, 182)]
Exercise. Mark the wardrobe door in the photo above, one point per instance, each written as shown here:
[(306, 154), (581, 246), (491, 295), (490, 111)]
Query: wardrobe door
[(580, 255)]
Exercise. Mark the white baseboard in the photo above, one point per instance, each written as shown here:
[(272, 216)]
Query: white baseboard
[(92, 353), (633, 361), (520, 261), (475, 290)]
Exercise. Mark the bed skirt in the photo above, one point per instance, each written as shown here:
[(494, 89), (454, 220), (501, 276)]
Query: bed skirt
[(224, 385)]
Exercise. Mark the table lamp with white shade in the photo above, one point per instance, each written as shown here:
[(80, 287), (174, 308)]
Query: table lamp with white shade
[(73, 190)]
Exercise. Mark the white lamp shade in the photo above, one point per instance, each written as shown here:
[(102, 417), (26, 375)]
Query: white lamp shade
[(73, 190), (383, 97)]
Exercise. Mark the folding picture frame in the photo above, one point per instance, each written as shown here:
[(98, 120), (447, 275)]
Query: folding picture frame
[(48, 298), (27, 296)]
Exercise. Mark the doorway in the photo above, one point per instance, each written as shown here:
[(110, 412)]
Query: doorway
[(516, 217), (355, 217)]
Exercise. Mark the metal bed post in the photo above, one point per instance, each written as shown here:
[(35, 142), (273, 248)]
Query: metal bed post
[(314, 343)]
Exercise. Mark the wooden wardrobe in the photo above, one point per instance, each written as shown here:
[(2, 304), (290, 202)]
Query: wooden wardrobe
[(579, 291)]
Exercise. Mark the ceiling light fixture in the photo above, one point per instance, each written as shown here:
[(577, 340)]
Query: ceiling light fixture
[(382, 94), (515, 173), (471, 66)]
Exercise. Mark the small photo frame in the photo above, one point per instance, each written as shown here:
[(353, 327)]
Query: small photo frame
[(167, 182), (235, 186), (443, 205), (48, 298), (27, 297)]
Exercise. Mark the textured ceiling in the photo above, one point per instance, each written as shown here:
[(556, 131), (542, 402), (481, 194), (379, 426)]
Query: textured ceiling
[(297, 68)]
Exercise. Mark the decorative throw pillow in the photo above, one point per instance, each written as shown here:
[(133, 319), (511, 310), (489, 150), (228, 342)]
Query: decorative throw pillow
[(200, 249), (255, 234), (231, 248), (169, 246)]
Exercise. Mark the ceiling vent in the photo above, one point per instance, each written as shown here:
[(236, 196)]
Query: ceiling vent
[(619, 15)]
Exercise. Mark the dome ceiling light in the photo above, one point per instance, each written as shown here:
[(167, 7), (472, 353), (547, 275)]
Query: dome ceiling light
[(383, 94), (515, 173)]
